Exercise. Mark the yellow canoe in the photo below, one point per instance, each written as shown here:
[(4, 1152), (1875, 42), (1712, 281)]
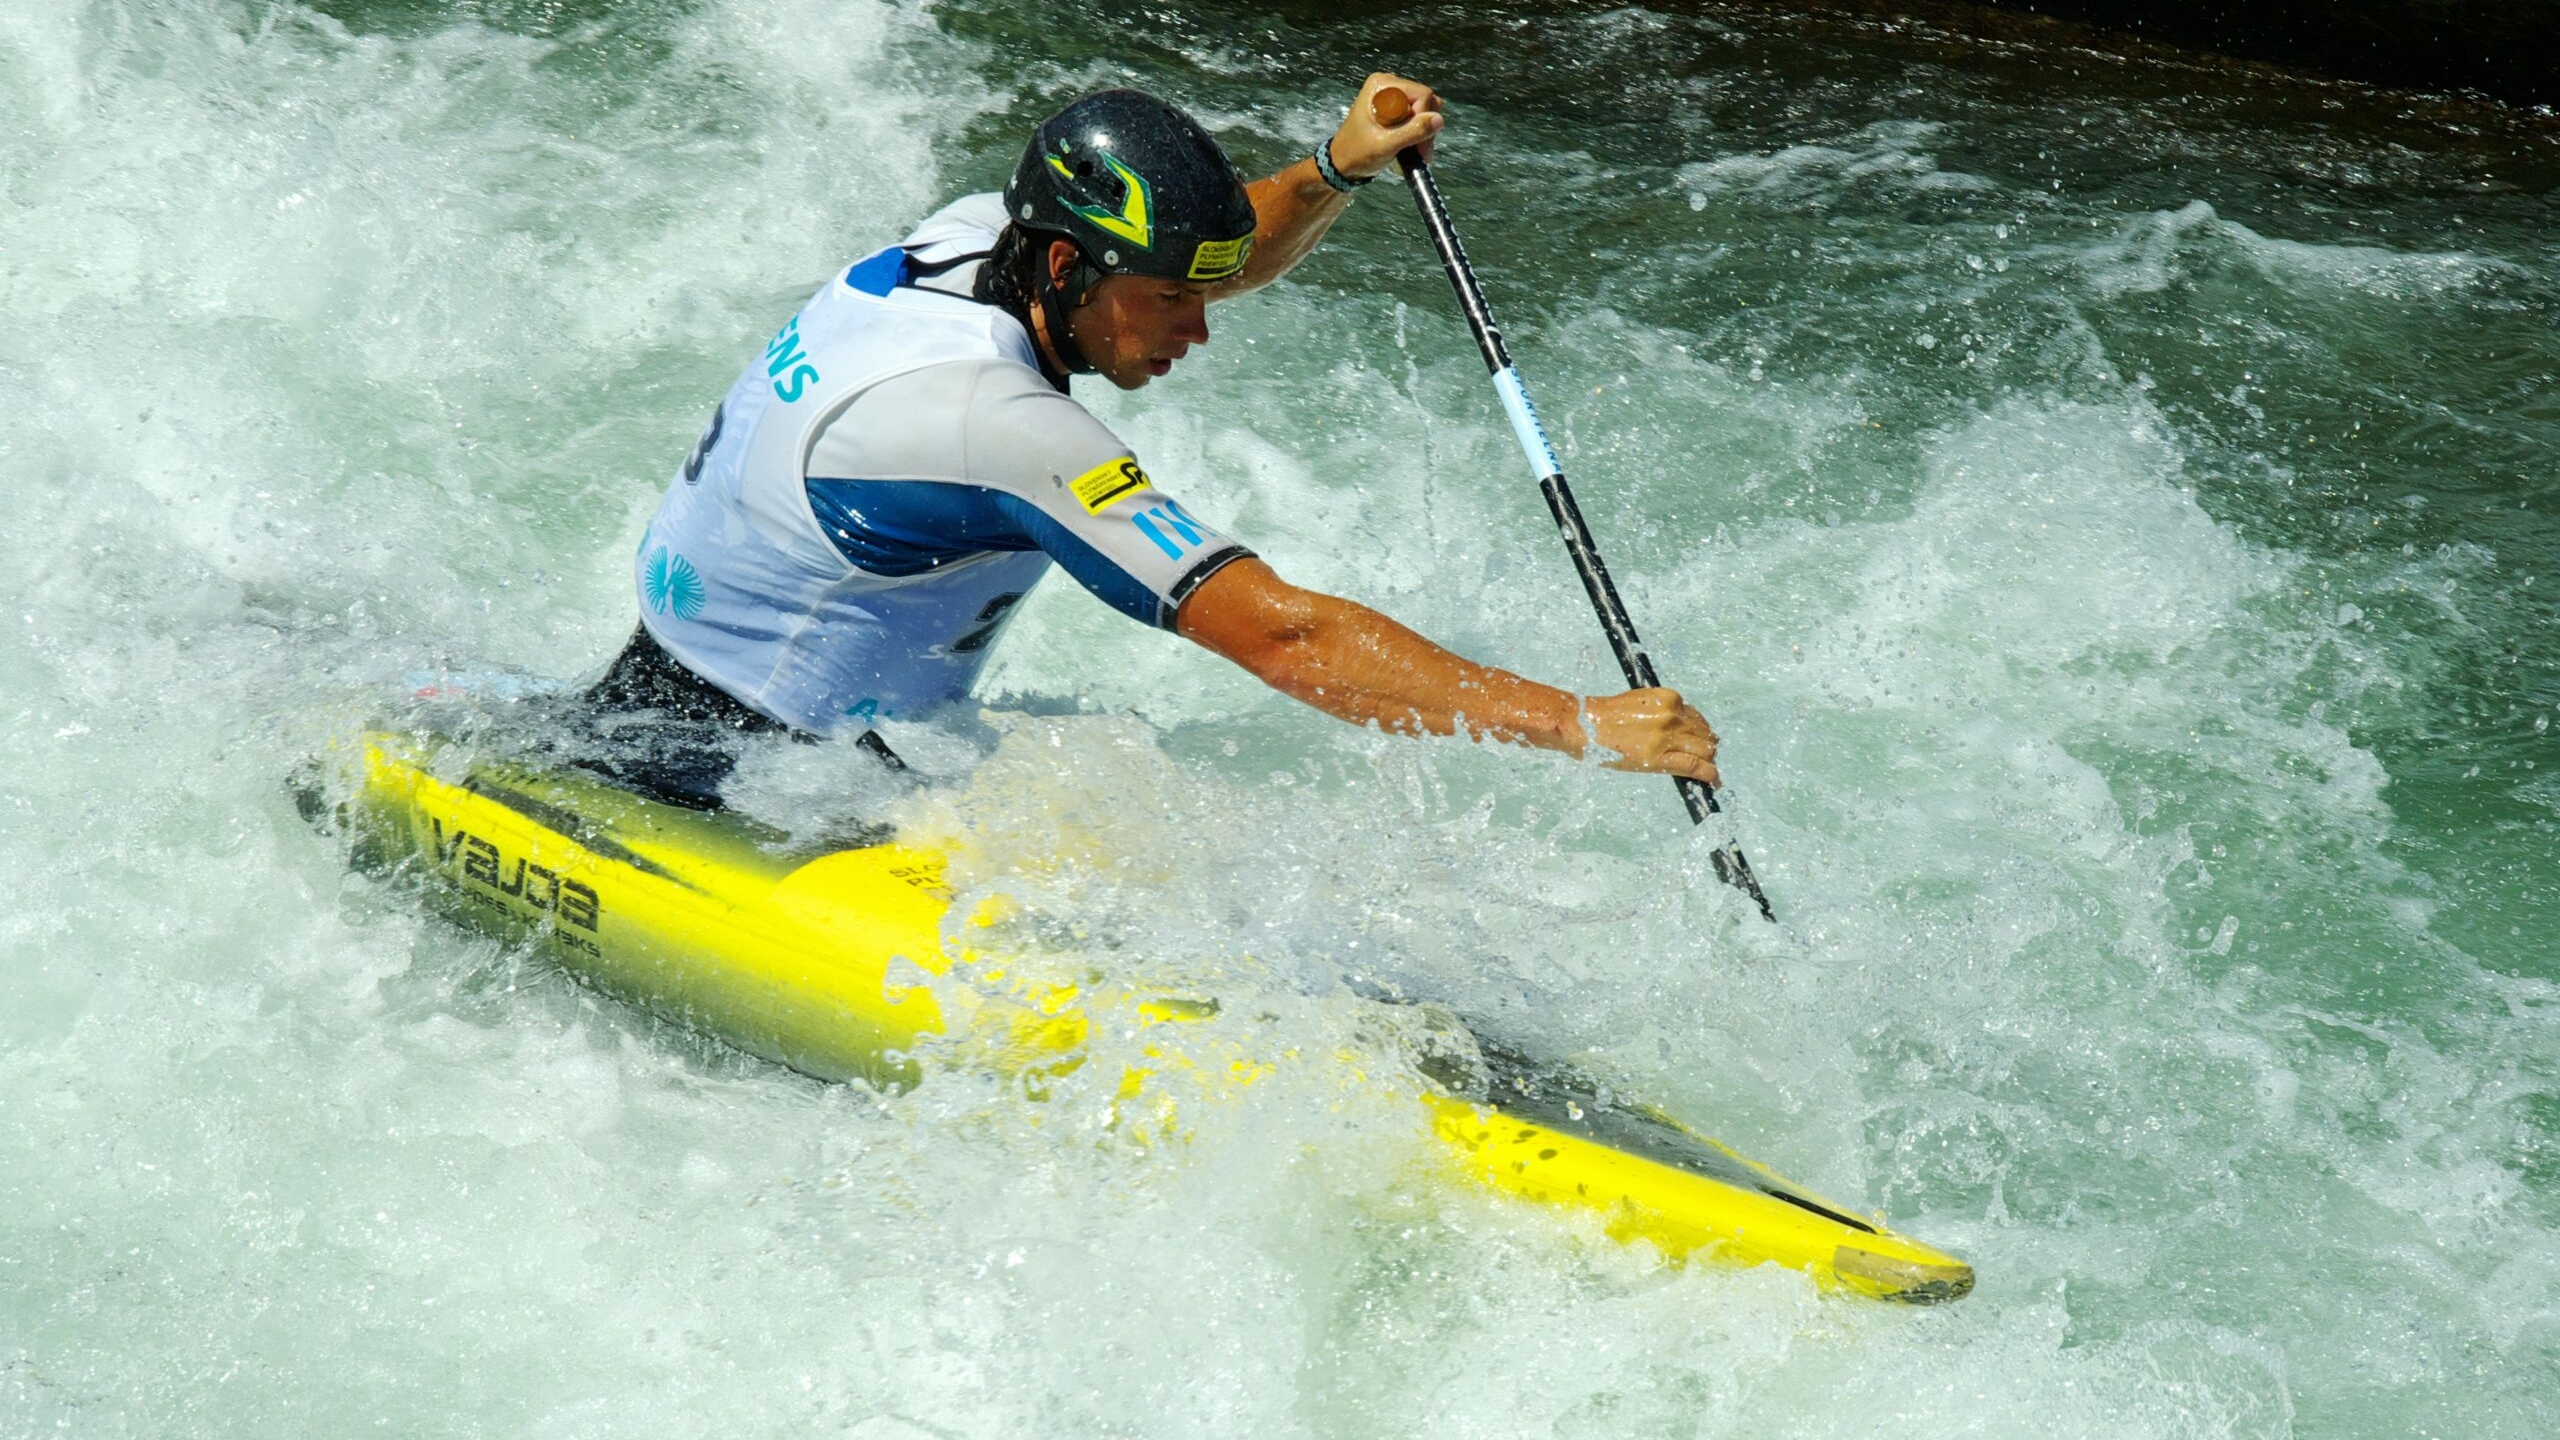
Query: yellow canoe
[(823, 963)]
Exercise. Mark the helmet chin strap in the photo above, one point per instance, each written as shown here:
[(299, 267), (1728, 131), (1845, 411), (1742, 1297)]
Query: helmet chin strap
[(1055, 302)]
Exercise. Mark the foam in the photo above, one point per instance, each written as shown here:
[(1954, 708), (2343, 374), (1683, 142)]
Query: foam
[(1884, 157), (2150, 253)]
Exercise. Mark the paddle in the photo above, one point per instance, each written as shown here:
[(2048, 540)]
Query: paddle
[(1393, 107)]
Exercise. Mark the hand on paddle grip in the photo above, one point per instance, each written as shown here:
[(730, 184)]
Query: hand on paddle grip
[(1370, 140), (1653, 731)]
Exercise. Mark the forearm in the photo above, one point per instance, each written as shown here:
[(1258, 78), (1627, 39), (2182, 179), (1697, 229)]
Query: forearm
[(1355, 664), (1365, 668), (1291, 212), (1358, 665), (1293, 209)]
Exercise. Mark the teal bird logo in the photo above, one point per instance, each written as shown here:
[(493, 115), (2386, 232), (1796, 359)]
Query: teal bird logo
[(672, 585)]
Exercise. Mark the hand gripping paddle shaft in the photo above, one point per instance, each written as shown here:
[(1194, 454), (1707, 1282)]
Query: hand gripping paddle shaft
[(1392, 107)]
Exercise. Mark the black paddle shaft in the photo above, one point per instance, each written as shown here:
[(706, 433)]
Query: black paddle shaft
[(1699, 796)]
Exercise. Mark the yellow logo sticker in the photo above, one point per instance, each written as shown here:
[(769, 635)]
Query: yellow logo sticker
[(1218, 259), (1135, 223), (1109, 483)]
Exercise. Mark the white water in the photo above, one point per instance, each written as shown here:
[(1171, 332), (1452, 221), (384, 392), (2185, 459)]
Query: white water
[(331, 353)]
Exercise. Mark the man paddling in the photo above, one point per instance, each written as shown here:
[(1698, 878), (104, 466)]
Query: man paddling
[(876, 494)]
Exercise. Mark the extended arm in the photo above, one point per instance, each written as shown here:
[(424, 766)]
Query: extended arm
[(1294, 208), (1355, 664)]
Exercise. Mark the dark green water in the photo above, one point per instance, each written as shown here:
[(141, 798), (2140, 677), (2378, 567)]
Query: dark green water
[(2107, 507)]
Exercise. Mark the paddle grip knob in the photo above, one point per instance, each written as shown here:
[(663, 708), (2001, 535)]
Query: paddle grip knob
[(1391, 106)]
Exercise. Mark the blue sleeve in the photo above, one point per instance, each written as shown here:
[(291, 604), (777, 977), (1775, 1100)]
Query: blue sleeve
[(1111, 584), (988, 455), (904, 528)]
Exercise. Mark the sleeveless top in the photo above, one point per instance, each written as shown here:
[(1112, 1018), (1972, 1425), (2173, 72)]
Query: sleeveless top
[(828, 601)]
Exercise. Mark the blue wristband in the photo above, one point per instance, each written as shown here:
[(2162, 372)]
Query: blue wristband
[(1334, 177)]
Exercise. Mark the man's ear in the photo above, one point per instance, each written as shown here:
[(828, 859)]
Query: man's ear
[(1062, 259)]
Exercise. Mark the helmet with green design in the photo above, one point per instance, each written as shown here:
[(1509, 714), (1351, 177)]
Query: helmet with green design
[(1138, 186)]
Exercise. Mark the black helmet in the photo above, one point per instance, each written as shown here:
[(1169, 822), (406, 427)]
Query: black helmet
[(1138, 186)]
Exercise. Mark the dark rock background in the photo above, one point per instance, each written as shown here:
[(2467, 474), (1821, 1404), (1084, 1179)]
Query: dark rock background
[(2509, 49)]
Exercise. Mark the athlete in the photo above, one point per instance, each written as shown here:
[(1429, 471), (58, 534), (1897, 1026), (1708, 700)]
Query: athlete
[(879, 490)]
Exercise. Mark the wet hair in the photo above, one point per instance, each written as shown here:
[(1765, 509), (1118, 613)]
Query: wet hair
[(1009, 279), (1013, 278)]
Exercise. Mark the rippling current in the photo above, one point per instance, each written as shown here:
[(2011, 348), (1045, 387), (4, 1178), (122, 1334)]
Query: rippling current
[(2107, 506)]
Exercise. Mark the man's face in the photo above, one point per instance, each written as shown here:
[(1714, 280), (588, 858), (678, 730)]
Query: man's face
[(1133, 327)]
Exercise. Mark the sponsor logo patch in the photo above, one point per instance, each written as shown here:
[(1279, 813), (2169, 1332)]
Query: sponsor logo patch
[(1218, 259), (672, 586), (1109, 483)]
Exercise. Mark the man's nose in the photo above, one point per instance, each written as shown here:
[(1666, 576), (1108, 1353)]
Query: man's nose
[(1194, 322)]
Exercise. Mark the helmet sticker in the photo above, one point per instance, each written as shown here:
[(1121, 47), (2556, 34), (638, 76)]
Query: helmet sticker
[(1218, 259), (1134, 221)]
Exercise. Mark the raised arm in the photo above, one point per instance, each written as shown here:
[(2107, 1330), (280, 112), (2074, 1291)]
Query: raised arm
[(1294, 208), (1355, 664)]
